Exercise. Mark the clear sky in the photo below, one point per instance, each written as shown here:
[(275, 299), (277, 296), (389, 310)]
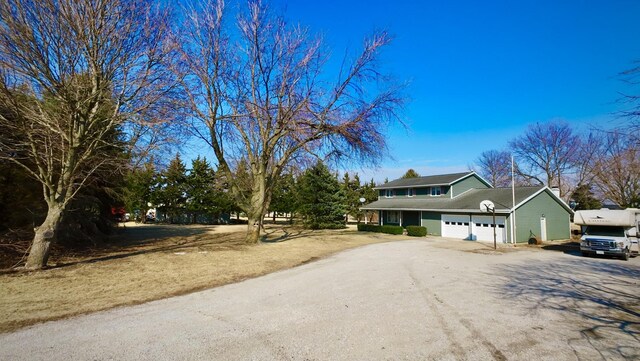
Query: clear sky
[(481, 71)]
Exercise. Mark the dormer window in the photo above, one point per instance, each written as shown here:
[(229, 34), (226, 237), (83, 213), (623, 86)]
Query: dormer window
[(436, 191), (389, 193), (411, 192)]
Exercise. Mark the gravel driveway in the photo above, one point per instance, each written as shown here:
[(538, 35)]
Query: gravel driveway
[(414, 300)]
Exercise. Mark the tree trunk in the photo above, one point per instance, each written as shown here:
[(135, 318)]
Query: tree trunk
[(256, 211), (44, 237), (253, 231)]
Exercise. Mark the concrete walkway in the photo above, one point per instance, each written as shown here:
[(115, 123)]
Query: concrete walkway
[(414, 300)]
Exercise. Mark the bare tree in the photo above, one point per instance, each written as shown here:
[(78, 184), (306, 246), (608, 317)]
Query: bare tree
[(547, 153), (616, 169), (632, 78), (72, 73), (258, 93), (494, 166)]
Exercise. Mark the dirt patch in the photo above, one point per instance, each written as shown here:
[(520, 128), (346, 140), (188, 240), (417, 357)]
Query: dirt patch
[(150, 262)]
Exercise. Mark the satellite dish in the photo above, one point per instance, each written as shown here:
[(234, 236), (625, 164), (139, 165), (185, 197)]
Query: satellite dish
[(486, 206), (362, 200)]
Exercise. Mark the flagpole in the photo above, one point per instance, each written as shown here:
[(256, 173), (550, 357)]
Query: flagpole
[(513, 198)]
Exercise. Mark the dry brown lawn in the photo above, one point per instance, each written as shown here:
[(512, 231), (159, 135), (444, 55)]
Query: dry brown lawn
[(150, 262)]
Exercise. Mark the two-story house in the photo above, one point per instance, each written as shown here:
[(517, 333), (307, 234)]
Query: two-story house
[(448, 205)]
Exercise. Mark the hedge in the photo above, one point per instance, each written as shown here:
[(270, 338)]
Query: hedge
[(368, 228), (380, 229), (416, 231), (391, 229)]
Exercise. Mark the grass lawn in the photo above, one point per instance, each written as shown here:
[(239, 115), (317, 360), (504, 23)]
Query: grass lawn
[(150, 262)]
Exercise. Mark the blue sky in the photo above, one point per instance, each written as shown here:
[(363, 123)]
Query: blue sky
[(481, 71)]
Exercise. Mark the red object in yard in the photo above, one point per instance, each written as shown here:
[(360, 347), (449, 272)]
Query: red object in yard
[(118, 213)]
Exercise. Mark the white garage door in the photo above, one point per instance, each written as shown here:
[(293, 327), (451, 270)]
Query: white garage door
[(482, 228), (455, 226)]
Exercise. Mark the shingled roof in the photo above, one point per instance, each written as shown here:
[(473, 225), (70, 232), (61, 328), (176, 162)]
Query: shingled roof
[(467, 202), (427, 181)]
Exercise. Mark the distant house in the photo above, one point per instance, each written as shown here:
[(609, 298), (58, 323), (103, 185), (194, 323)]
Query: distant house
[(448, 205)]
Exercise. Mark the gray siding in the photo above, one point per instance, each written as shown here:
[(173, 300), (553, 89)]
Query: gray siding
[(466, 184), (432, 221), (528, 219)]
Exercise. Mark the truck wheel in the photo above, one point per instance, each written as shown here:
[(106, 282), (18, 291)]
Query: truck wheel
[(625, 255)]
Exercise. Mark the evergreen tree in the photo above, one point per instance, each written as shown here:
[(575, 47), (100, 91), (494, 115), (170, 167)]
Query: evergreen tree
[(283, 198), (140, 184), (320, 199), (411, 173), (584, 198), (352, 193), (171, 195), (369, 193), (201, 190)]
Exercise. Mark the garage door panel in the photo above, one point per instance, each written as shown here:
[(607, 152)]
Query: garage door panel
[(455, 226), (482, 228)]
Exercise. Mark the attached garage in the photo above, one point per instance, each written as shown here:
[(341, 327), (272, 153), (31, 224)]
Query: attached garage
[(482, 228), (456, 226), (473, 227)]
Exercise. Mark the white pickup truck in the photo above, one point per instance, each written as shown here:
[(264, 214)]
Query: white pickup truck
[(609, 232)]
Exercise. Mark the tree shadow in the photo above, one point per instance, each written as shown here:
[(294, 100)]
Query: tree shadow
[(283, 234), (136, 241), (570, 247), (131, 236), (603, 295)]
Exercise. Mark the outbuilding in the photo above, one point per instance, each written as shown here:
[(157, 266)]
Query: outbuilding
[(448, 205)]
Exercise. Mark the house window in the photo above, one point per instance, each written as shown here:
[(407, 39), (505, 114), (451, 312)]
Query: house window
[(436, 191), (393, 217), (389, 193), (411, 192)]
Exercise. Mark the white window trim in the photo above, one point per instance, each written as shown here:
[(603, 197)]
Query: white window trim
[(411, 192), (431, 189), (389, 193)]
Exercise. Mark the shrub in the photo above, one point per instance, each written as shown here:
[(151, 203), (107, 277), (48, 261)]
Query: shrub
[(368, 228), (416, 231), (391, 229), (380, 229), (327, 226)]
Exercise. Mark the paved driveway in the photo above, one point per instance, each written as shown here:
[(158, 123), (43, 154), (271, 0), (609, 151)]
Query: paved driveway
[(413, 300)]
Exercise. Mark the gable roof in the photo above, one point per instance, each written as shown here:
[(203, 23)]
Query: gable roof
[(468, 202), (431, 180)]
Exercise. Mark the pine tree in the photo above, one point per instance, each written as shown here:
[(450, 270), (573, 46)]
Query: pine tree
[(411, 173), (283, 198), (584, 198), (140, 185), (172, 193), (320, 199), (352, 193), (202, 195)]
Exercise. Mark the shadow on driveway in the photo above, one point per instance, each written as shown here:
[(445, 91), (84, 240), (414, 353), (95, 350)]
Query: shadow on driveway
[(603, 295)]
